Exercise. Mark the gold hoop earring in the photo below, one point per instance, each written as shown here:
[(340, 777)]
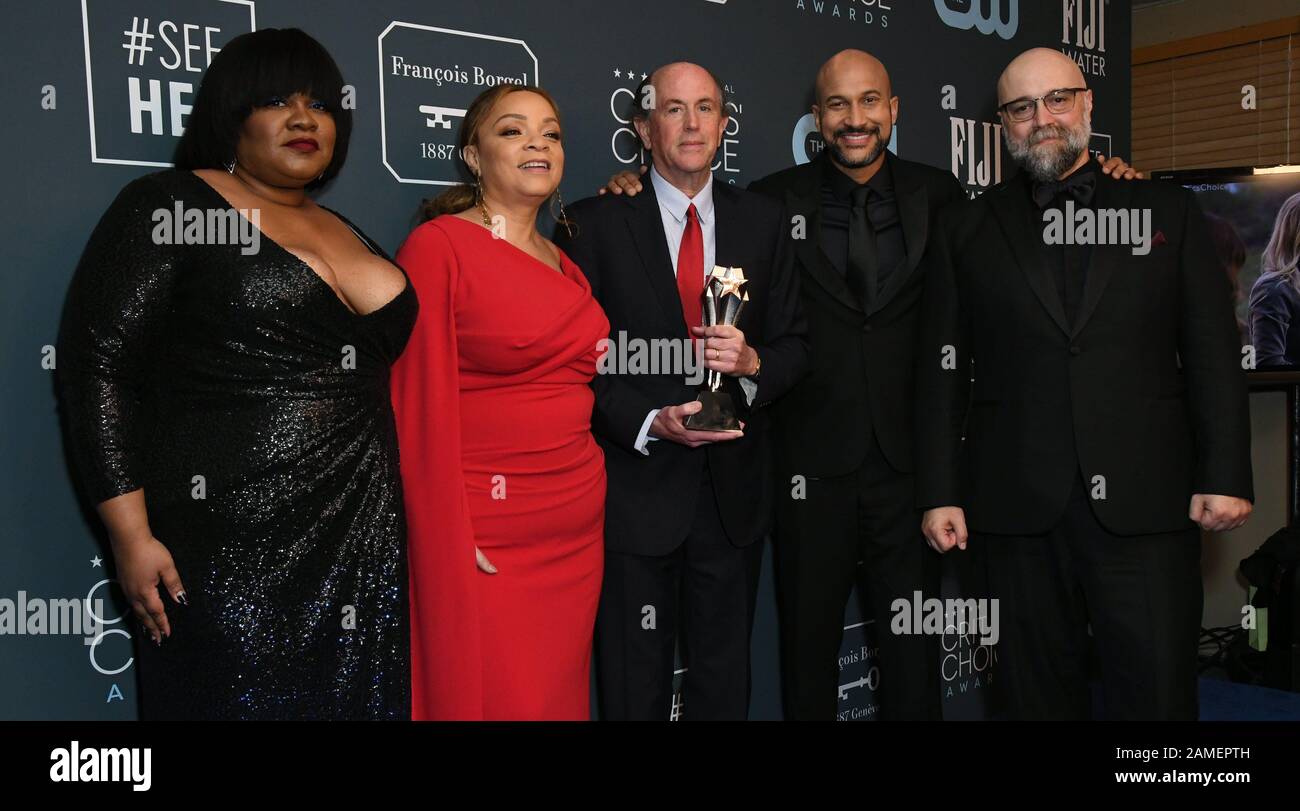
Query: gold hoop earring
[(480, 199), (562, 219)]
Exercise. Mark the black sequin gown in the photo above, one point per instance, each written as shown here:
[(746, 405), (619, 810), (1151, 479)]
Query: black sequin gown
[(252, 405)]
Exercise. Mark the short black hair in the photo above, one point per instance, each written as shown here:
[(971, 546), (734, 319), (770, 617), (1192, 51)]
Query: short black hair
[(244, 75), (637, 111)]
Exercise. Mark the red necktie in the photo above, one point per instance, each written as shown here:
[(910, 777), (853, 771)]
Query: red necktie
[(690, 270)]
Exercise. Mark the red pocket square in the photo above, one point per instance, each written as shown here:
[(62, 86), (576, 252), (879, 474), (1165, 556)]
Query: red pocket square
[(1158, 239)]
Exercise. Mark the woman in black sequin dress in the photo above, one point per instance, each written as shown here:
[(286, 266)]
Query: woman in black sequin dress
[(228, 411)]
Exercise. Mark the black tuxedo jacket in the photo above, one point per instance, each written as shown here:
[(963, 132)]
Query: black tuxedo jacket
[(619, 244), (1145, 389), (862, 362)]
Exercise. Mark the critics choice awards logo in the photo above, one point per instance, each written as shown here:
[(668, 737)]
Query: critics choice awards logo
[(875, 13), (144, 60), (427, 79)]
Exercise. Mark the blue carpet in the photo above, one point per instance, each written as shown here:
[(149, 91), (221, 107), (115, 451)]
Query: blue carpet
[(1223, 700)]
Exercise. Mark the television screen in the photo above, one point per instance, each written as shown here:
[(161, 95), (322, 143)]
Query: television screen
[(1254, 221)]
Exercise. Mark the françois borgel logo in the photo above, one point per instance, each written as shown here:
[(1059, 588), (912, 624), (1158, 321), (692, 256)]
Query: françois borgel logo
[(857, 696), (427, 78), (144, 60), (1083, 34), (985, 16)]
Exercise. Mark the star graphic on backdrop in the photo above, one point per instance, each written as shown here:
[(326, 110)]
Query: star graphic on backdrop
[(643, 76), (630, 72), (95, 561), (617, 73)]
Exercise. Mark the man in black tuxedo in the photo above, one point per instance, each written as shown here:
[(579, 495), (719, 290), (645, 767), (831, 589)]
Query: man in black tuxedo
[(844, 435), (1107, 418), (686, 509)]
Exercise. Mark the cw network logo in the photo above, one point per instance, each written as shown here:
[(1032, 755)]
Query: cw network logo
[(984, 16)]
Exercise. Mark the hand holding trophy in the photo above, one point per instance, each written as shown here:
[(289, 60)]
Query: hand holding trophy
[(724, 300)]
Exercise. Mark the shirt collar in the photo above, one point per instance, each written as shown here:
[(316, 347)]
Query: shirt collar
[(676, 202), (841, 186)]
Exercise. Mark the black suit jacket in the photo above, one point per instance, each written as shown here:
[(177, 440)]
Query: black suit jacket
[(1144, 389), (620, 245), (862, 362)]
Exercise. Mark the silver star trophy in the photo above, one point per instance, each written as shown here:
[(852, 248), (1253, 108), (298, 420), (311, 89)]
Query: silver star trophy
[(724, 299)]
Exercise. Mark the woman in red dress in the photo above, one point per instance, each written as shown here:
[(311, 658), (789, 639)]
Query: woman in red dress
[(504, 485)]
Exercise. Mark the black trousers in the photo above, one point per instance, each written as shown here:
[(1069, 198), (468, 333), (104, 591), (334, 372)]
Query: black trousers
[(864, 516), (703, 591), (1141, 595)]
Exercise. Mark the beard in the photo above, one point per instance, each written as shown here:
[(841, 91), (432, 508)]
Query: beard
[(843, 160), (1049, 162)]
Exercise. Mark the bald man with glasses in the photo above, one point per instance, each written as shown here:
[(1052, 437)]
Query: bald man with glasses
[(1106, 425)]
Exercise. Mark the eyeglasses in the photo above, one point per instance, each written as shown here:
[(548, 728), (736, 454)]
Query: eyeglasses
[(1056, 102)]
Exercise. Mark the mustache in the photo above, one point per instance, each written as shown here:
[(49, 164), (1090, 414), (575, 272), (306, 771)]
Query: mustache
[(1047, 131), (842, 131)]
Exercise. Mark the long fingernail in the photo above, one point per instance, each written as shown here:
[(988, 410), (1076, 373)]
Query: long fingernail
[(181, 598)]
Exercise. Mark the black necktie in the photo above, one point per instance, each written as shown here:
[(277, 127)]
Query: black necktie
[(1079, 185), (861, 277)]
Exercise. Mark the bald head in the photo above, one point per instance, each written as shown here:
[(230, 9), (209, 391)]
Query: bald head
[(849, 68), (1046, 144), (682, 123), (1035, 72), (855, 111), (683, 74)]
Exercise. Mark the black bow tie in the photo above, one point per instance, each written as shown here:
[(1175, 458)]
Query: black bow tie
[(1079, 185)]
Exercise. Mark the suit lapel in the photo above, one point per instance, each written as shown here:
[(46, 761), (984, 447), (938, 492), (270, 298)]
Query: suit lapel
[(914, 215), (647, 227), (726, 241), (1014, 212), (1103, 259), (805, 201)]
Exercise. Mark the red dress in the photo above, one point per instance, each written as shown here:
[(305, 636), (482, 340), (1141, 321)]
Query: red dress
[(493, 408)]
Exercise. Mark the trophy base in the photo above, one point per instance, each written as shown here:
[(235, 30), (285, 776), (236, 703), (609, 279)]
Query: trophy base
[(718, 413)]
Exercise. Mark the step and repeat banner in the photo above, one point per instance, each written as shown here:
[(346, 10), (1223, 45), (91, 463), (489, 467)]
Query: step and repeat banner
[(100, 91)]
